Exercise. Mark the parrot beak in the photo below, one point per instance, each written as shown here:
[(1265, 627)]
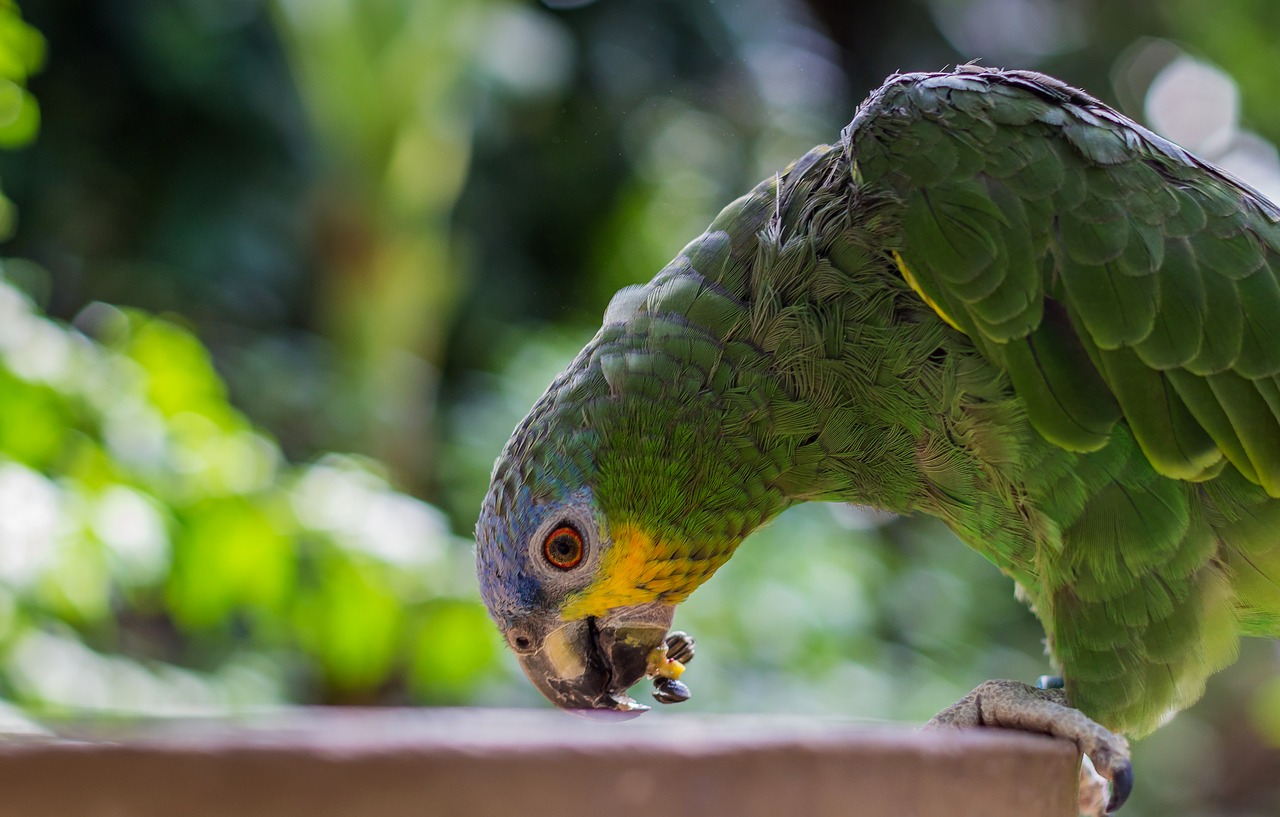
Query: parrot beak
[(587, 665)]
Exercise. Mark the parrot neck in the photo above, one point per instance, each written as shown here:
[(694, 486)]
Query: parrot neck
[(780, 358)]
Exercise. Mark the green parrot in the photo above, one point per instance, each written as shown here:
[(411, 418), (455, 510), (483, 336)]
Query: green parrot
[(996, 301)]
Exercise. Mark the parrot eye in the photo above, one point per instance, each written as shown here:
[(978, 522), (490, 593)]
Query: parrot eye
[(563, 548)]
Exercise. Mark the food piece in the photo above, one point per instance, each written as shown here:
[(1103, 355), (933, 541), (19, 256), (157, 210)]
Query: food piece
[(666, 665), (670, 691)]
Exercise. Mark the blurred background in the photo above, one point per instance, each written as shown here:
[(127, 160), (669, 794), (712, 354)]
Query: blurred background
[(281, 276)]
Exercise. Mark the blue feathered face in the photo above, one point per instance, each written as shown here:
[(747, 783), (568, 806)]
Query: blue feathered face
[(531, 555), (534, 555)]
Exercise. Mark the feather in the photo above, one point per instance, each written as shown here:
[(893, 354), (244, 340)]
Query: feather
[(1179, 329), (1065, 398), (1168, 433)]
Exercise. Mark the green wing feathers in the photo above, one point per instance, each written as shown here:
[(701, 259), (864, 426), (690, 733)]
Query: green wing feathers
[(1129, 291), (1020, 193)]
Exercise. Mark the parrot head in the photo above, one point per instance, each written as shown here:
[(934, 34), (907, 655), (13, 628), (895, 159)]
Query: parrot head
[(542, 563), (615, 498)]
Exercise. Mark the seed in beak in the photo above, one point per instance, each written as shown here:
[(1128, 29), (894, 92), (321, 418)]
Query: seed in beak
[(670, 691), (665, 666)]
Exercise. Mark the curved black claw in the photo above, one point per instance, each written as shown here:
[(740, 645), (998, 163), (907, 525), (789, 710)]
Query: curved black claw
[(1121, 785), (1051, 682), (680, 646)]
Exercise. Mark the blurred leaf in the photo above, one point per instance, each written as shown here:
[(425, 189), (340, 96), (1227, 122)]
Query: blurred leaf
[(21, 54), (351, 622), (77, 588), (86, 463), (231, 554), (11, 96), (181, 373), (455, 646), (21, 46), (19, 116), (34, 422)]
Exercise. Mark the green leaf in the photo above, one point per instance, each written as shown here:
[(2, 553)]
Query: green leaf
[(351, 621), (455, 646), (230, 554), (19, 125)]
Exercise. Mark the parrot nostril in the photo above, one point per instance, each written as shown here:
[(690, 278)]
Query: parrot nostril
[(522, 640)]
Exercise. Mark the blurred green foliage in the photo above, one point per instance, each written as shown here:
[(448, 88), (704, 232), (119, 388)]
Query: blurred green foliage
[(21, 54), (141, 515), (254, 232)]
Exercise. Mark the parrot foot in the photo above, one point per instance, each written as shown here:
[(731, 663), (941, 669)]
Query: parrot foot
[(1015, 705)]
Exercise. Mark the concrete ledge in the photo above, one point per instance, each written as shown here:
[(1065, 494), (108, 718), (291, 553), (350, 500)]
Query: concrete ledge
[(530, 763)]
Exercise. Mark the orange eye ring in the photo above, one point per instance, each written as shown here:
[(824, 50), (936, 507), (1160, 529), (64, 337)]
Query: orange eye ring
[(563, 548)]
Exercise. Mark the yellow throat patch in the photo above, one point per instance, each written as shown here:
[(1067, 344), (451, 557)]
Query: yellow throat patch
[(639, 569)]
